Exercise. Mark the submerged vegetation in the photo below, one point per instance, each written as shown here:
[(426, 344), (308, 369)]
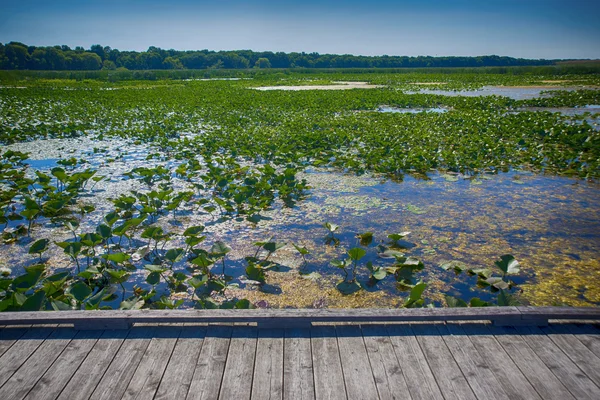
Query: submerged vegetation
[(188, 207)]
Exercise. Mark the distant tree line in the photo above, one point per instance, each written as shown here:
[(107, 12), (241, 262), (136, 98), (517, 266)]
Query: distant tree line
[(15, 55)]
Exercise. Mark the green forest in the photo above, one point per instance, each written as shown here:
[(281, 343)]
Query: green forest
[(15, 55)]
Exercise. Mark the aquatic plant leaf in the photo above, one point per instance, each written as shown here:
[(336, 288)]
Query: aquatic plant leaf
[(35, 302), (379, 273), (104, 230), (477, 302), (255, 273), (497, 283), (116, 257), (80, 291), (365, 238), (390, 254), (220, 248), (412, 262), (174, 255), (198, 280), (243, 304), (455, 302), (331, 227), (155, 268), (356, 253), (339, 263), (193, 230), (153, 278), (302, 250), (71, 248), (456, 266), (272, 247), (133, 303), (508, 264), (202, 261), (482, 272), (39, 246), (417, 291), (398, 236), (506, 299), (348, 287), (118, 276)]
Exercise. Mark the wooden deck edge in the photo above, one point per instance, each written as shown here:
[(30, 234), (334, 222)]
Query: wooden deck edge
[(115, 319)]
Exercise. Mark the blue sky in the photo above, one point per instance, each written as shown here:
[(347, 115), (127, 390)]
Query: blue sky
[(518, 28)]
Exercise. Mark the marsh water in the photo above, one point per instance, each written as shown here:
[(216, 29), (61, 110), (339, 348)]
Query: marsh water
[(513, 92), (550, 224)]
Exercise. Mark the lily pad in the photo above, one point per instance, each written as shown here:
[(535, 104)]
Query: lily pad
[(348, 287)]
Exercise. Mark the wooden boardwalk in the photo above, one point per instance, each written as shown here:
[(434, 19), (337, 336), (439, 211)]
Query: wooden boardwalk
[(416, 360)]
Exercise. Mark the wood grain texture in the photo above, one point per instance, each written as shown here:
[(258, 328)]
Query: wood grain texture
[(149, 372), (513, 382), (358, 375), (25, 378), (534, 369), (327, 367), (571, 376), (447, 374), (9, 335), (419, 378), (238, 374), (123, 366), (582, 356), (481, 379), (90, 372), (19, 352), (208, 374), (387, 371), (64, 368), (268, 367), (298, 381), (176, 381)]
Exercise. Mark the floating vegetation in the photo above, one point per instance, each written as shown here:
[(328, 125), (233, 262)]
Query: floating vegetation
[(207, 194)]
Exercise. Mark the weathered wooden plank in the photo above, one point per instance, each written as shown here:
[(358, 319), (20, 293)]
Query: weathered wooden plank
[(62, 370), (178, 376), (583, 313), (25, 378), (588, 335), (481, 379), (210, 365), (583, 357), (122, 318), (268, 367), (513, 382), (20, 351), (123, 366), (8, 337), (145, 381), (580, 386), (91, 371), (239, 368), (358, 376), (419, 378), (327, 367), (538, 374), (298, 381), (447, 373), (387, 371)]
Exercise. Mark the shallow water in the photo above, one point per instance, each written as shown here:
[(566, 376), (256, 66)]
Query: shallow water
[(591, 112), (387, 109), (513, 92), (550, 224)]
